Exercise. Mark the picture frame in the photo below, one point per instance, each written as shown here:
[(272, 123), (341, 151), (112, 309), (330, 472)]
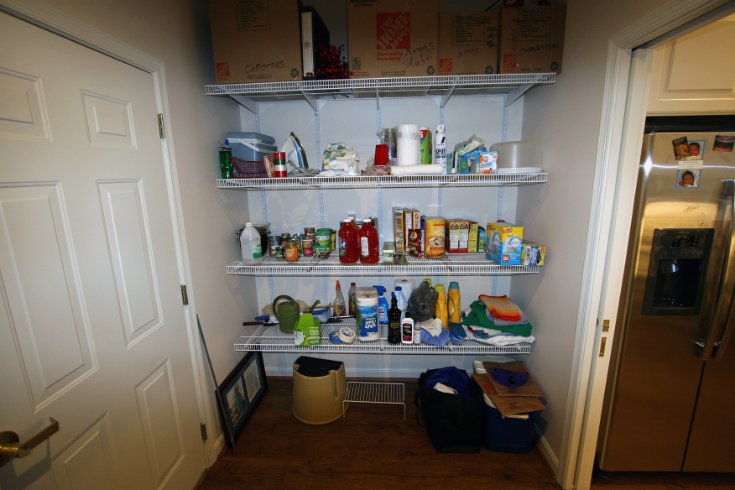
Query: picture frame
[(239, 395)]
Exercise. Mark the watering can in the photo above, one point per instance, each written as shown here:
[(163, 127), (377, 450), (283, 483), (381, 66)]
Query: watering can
[(287, 311)]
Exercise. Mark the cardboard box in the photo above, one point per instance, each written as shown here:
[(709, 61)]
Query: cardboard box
[(457, 235), (387, 38), (256, 40), (531, 36), (468, 42), (504, 244), (533, 254), (399, 232), (472, 237)]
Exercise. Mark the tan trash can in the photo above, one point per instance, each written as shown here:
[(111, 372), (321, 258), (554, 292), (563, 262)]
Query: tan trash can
[(318, 390)]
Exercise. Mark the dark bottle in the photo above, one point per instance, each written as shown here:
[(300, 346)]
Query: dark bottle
[(394, 321)]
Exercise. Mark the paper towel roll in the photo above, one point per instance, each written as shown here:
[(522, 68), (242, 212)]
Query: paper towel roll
[(406, 286), (408, 139)]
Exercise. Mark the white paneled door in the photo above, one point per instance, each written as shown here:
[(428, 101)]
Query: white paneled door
[(92, 328)]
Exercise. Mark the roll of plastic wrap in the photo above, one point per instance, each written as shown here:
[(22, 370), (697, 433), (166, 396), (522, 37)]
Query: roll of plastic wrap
[(408, 138), (406, 286), (421, 169)]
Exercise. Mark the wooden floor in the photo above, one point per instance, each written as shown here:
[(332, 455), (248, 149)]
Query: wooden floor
[(374, 448)]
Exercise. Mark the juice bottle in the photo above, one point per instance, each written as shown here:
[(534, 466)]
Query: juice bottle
[(368, 243), (454, 307), (349, 250)]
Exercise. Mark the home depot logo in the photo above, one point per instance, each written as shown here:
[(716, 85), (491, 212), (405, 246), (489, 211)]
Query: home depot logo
[(393, 30)]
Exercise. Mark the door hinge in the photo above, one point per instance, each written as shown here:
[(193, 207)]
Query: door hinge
[(203, 429), (161, 132), (184, 295)]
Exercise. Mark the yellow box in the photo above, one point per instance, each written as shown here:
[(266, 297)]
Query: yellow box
[(472, 237), (533, 254), (504, 244)]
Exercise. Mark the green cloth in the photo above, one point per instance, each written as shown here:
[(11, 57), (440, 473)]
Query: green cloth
[(478, 318)]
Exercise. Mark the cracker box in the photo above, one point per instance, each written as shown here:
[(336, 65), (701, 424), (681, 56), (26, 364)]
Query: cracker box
[(387, 38), (256, 40), (457, 235), (468, 42), (531, 36), (472, 237), (504, 244), (533, 254), (399, 231)]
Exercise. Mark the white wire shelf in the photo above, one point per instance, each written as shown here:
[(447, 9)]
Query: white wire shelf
[(377, 393), (513, 85), (451, 264), (385, 181), (271, 339)]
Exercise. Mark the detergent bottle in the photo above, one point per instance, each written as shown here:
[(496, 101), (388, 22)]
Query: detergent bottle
[(382, 306), (401, 300), (453, 303), (441, 305)]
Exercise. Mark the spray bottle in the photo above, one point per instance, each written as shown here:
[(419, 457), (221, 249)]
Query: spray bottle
[(440, 149), (401, 300), (382, 306)]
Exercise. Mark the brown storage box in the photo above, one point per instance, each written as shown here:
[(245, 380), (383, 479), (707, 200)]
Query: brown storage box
[(468, 42), (388, 38), (256, 40), (531, 37)]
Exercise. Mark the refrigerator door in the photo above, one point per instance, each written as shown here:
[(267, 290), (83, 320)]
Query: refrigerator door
[(712, 439), (675, 263)]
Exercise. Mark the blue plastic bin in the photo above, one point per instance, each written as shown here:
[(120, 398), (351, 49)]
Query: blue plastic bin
[(248, 152), (509, 435)]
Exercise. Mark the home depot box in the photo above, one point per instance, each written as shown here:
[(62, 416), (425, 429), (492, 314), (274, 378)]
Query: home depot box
[(468, 42), (255, 40), (388, 38), (531, 36)]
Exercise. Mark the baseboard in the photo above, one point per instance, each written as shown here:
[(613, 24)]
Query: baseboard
[(548, 454)]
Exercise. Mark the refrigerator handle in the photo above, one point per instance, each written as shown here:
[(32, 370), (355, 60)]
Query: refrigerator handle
[(723, 321)]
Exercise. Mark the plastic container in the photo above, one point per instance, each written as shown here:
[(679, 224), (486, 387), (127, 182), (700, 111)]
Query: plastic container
[(250, 244), (249, 150), (349, 250), (441, 306), (517, 154), (366, 304), (382, 306), (369, 253), (454, 306), (509, 434)]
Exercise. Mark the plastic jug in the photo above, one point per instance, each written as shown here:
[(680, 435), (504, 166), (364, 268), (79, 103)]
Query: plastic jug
[(441, 305), (453, 303), (287, 311)]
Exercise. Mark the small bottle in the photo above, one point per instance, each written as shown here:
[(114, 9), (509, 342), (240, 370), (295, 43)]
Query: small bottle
[(225, 162), (454, 307), (394, 322), (441, 306), (407, 330), (351, 299), (440, 148), (250, 244), (368, 243), (338, 305)]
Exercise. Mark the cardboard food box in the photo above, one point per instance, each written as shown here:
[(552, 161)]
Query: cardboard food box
[(472, 237), (457, 235), (504, 244), (399, 231), (256, 40), (468, 42), (387, 38), (533, 254), (531, 36)]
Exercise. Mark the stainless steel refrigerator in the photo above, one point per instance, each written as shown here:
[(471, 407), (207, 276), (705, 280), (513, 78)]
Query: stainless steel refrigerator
[(670, 396)]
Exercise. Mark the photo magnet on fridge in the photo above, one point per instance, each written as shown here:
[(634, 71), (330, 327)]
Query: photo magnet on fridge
[(723, 143), (681, 148)]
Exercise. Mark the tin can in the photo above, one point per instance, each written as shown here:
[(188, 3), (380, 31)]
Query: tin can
[(309, 233), (225, 162), (307, 245), (425, 145), (274, 247), (279, 164)]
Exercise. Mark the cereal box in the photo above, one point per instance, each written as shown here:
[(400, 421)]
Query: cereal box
[(472, 237), (399, 233), (504, 244), (434, 237)]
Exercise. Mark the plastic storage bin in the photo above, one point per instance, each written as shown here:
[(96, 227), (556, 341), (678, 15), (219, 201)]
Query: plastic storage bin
[(318, 390), (509, 435), (248, 152)]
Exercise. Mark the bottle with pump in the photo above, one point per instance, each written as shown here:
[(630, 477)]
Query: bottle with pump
[(394, 321), (382, 306), (440, 148), (338, 305), (401, 300), (454, 308), (250, 244), (351, 299), (441, 306)]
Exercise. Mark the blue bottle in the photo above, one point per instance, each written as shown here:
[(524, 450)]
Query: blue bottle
[(382, 306)]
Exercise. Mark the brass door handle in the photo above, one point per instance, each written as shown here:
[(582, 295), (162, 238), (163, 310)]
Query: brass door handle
[(11, 447)]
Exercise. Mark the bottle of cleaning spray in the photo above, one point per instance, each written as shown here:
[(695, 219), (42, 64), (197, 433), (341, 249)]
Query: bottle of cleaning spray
[(441, 306), (382, 306), (454, 308), (440, 148)]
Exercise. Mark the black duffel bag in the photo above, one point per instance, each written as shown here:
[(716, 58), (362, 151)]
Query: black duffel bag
[(455, 423)]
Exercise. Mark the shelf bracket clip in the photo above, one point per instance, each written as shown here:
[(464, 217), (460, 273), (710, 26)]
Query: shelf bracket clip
[(312, 101), (516, 94), (246, 102), (445, 98)]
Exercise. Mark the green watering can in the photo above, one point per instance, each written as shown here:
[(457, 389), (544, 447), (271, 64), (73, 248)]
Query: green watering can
[(287, 311)]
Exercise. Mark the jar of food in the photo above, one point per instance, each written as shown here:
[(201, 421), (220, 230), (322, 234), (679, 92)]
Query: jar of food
[(291, 251)]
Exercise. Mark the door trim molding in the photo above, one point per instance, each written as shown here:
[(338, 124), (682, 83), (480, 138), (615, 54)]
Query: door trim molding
[(69, 27), (600, 288)]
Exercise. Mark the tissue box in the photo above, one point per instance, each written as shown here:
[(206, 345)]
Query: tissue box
[(504, 244)]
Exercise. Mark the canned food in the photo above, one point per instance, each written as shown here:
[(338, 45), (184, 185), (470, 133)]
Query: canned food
[(309, 233), (324, 237), (274, 247), (307, 245)]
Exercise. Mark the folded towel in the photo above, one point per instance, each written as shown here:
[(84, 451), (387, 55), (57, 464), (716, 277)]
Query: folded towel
[(477, 317), (501, 307)]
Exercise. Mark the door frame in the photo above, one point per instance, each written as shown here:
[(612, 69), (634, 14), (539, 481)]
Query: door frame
[(621, 132), (70, 28)]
